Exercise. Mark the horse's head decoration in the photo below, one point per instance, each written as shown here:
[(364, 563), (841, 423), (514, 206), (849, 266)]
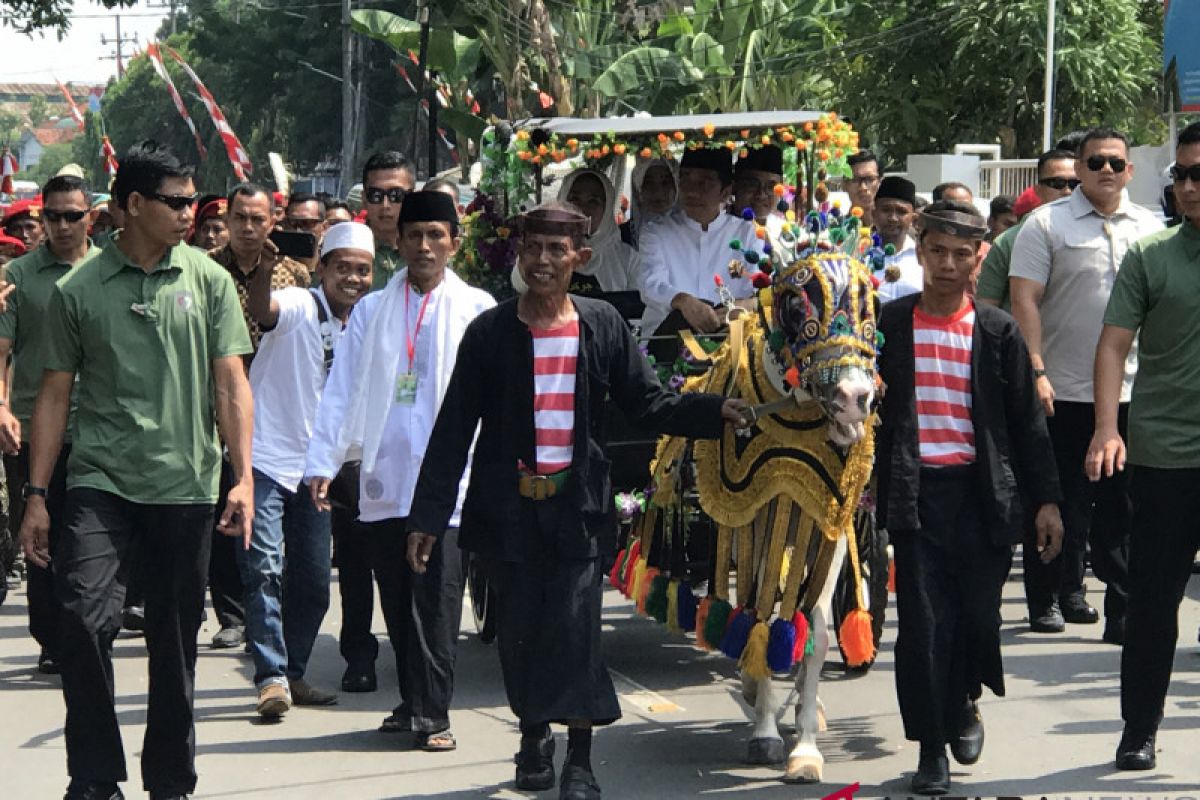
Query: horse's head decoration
[(820, 312)]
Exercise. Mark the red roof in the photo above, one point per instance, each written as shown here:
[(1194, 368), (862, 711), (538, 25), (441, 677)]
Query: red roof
[(49, 136)]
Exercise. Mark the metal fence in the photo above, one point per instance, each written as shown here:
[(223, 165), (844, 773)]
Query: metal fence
[(1009, 177)]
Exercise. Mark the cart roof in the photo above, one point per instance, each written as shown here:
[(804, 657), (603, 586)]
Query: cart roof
[(574, 126)]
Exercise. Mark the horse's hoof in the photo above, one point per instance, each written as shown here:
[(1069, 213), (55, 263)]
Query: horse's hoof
[(765, 751), (804, 769)]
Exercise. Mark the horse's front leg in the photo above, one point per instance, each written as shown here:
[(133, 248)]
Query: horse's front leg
[(766, 743), (805, 763)]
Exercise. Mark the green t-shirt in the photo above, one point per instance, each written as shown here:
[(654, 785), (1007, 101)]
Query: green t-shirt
[(142, 346), (25, 324), (1157, 291), (993, 275), (387, 263)]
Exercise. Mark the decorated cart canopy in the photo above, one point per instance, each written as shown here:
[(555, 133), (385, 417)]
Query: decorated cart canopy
[(520, 160)]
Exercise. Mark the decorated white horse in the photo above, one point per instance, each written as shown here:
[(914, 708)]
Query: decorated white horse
[(783, 493)]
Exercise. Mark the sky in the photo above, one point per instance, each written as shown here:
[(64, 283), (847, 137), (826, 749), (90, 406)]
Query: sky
[(80, 55)]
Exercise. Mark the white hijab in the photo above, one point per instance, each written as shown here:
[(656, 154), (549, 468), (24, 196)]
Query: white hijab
[(614, 264)]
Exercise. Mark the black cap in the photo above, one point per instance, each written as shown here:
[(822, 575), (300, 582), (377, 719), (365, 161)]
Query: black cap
[(767, 158), (716, 159), (428, 207), (896, 188)]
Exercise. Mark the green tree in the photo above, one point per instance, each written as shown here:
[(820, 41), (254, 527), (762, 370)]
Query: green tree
[(28, 16), (943, 72), (39, 110), (10, 127), (54, 158)]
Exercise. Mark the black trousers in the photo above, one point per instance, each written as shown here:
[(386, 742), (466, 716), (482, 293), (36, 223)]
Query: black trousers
[(352, 557), (1097, 513), (1166, 535), (103, 535), (224, 577), (949, 578), (548, 630), (44, 608), (423, 614)]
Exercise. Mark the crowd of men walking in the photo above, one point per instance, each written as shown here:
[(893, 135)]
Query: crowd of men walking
[(313, 390)]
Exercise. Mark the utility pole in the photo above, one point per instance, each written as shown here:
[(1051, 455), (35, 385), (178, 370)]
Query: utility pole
[(1048, 100), (428, 88), (170, 5), (119, 42), (347, 101)]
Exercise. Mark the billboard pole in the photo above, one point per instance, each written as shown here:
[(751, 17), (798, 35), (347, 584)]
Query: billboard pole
[(1048, 100)]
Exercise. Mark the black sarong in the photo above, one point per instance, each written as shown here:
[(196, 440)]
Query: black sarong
[(548, 629), (949, 578)]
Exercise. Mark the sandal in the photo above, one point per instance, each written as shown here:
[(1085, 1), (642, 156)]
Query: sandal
[(395, 723), (439, 742)]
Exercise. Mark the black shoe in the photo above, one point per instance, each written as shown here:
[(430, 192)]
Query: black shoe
[(535, 763), (967, 746), (228, 637), (47, 664), (578, 784), (359, 679), (1136, 750), (1076, 611), (82, 790), (1048, 620), (1114, 631), (158, 796), (933, 772)]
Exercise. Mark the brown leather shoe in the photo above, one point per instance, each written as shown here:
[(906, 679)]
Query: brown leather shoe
[(274, 701)]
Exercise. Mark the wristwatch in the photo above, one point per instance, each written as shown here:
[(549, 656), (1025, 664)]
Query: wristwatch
[(29, 490), (1038, 373)]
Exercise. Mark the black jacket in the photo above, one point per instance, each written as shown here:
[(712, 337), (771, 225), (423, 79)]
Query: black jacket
[(492, 384), (1014, 456)]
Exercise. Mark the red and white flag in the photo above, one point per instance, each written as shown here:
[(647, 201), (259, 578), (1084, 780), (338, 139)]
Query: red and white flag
[(160, 68), (110, 157), (75, 114), (8, 170), (233, 147)]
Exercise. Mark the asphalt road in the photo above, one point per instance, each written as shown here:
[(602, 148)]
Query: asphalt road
[(683, 733)]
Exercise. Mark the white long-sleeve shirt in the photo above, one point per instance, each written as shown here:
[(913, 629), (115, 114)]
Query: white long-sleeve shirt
[(386, 491), (678, 255)]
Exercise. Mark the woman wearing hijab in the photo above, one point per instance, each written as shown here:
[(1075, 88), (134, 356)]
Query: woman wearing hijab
[(614, 265), (655, 189)]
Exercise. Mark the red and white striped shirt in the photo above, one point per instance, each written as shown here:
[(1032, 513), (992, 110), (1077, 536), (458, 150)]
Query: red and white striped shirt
[(942, 352), (555, 353)]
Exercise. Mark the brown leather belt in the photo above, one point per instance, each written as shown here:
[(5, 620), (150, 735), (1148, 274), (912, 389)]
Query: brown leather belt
[(542, 487)]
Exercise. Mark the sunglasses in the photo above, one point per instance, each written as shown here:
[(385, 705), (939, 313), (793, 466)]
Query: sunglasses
[(176, 202), (304, 224), (1096, 163), (375, 195), (1180, 172), (1059, 183), (58, 216)]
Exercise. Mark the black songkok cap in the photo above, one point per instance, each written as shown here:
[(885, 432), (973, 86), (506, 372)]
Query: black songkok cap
[(716, 159), (428, 207), (767, 158), (954, 223), (896, 188)]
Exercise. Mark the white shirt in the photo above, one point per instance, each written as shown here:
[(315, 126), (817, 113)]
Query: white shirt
[(680, 256), (912, 274), (286, 378), (1075, 252), (386, 491)]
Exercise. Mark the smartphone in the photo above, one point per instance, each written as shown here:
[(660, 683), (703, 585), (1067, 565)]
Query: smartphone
[(295, 244)]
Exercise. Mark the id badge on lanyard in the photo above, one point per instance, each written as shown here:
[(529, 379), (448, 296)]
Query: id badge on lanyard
[(406, 382)]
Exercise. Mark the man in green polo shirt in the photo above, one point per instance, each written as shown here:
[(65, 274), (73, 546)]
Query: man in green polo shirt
[(387, 177), (24, 335), (1155, 299), (154, 333)]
